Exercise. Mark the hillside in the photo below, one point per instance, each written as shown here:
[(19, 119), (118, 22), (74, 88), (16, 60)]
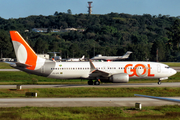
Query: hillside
[(110, 34)]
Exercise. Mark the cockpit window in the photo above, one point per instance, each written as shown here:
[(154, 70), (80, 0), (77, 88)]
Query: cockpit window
[(166, 66)]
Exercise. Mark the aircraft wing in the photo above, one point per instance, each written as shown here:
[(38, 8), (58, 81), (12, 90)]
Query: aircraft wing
[(97, 73), (159, 98)]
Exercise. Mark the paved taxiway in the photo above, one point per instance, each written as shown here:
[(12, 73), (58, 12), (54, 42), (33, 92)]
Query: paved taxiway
[(167, 84), (9, 70), (81, 102), (85, 102)]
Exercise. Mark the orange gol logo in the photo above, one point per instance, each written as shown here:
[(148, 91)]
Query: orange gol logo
[(136, 72)]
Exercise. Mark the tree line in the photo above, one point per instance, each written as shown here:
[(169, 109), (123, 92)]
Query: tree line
[(109, 34)]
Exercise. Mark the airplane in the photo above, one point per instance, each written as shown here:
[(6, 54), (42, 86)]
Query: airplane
[(76, 59), (159, 98), (112, 58), (55, 57), (59, 58), (116, 72)]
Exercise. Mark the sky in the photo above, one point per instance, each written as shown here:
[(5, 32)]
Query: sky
[(25, 8)]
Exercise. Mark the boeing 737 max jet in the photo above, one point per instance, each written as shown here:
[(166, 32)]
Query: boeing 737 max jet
[(117, 72)]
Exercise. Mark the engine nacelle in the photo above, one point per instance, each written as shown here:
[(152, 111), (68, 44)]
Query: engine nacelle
[(119, 78)]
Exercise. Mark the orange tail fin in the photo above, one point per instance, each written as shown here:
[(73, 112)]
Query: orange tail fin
[(24, 53)]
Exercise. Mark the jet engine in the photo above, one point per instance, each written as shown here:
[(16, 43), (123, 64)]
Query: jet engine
[(119, 78)]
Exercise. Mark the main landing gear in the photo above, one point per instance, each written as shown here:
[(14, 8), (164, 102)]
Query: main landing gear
[(90, 82), (97, 82)]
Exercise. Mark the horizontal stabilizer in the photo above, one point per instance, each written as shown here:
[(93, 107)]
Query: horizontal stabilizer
[(23, 65)]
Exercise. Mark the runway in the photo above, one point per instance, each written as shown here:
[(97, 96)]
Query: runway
[(9, 70), (167, 84), (81, 102)]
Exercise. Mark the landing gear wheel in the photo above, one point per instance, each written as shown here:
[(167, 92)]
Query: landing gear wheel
[(159, 83), (96, 83), (90, 82)]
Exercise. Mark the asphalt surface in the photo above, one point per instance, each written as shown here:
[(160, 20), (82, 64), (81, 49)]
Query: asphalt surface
[(85, 102), (81, 102), (9, 70), (168, 84)]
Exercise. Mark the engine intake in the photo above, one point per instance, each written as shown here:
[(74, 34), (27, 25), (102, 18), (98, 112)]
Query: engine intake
[(119, 78)]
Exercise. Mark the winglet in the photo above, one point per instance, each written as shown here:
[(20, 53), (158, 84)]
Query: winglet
[(92, 67)]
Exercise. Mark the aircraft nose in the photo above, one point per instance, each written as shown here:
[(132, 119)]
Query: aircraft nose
[(173, 71)]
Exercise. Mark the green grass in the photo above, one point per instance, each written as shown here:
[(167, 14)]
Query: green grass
[(5, 66), (90, 113), (25, 78), (92, 92), (172, 64)]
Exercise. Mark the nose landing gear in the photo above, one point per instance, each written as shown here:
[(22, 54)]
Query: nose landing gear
[(159, 82)]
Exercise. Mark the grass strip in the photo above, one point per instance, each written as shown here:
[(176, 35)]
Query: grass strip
[(92, 92), (5, 66), (25, 78), (90, 113), (172, 64)]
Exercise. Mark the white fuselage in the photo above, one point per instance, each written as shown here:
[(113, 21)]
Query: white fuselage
[(69, 70)]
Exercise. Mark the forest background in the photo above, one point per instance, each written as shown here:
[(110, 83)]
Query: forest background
[(111, 34)]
